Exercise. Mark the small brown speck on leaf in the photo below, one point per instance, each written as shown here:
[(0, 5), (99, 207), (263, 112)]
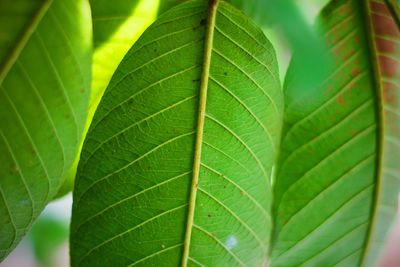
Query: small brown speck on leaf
[(345, 9), (340, 99), (355, 71), (337, 51), (353, 132), (13, 169)]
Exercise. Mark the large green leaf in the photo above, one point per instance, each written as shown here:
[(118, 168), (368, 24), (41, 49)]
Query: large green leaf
[(177, 162), (385, 48), (44, 90), (338, 174)]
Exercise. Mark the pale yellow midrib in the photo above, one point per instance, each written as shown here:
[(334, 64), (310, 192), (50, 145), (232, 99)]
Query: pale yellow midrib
[(208, 44), (23, 40)]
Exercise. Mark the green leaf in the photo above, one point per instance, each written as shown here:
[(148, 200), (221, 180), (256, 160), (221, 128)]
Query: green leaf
[(338, 174), (168, 4), (394, 8), (117, 25), (176, 166), (385, 47), (44, 90), (289, 22)]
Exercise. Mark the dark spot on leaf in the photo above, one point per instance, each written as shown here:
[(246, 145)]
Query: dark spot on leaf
[(353, 132), (155, 50), (13, 169), (337, 51), (340, 99), (225, 73), (203, 22), (345, 10), (355, 71), (209, 215), (31, 149), (196, 80)]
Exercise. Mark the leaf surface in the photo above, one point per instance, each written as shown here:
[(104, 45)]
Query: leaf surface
[(337, 178), (176, 166), (117, 25), (385, 46), (44, 89)]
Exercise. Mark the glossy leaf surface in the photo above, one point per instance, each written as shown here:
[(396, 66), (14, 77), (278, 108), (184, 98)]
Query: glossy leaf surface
[(337, 184), (117, 25), (176, 165), (44, 90)]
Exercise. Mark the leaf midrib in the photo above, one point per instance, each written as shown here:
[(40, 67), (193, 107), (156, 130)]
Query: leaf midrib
[(23, 39), (208, 45)]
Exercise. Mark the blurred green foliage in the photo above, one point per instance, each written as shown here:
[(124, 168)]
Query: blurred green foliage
[(47, 235), (289, 22)]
